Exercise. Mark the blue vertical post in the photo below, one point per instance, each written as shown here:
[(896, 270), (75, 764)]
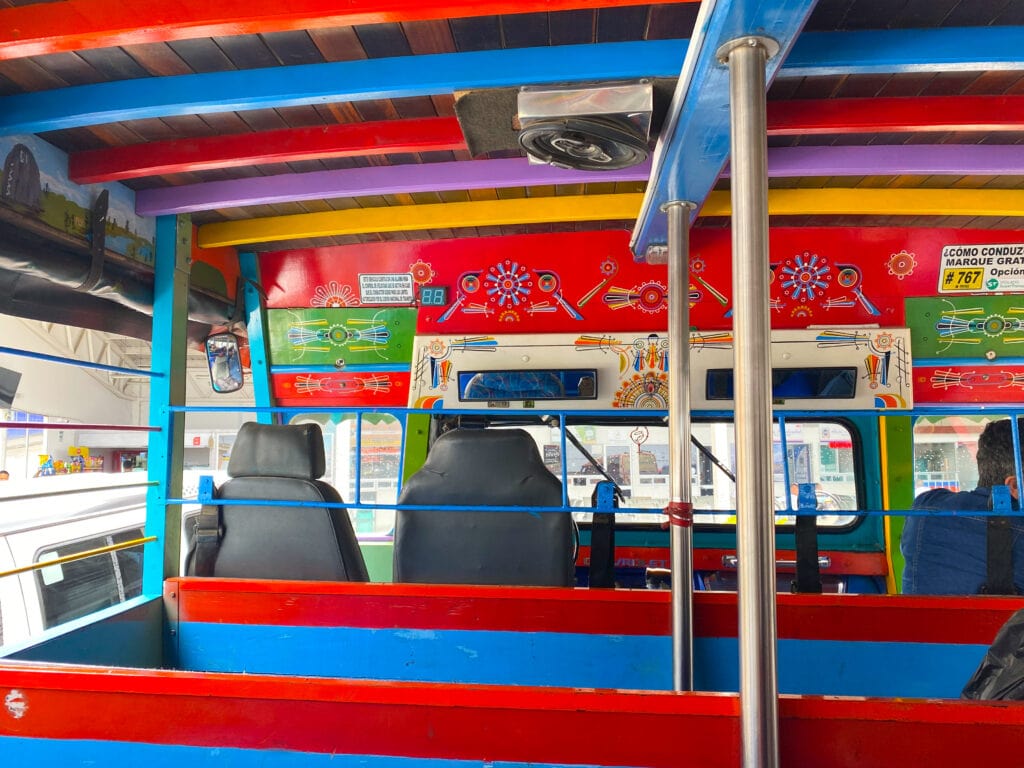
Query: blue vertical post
[(259, 354), (166, 448)]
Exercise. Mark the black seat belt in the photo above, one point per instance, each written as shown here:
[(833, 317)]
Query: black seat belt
[(208, 533), (808, 570), (209, 530), (999, 546), (602, 536)]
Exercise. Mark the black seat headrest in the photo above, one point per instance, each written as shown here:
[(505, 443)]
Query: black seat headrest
[(273, 450)]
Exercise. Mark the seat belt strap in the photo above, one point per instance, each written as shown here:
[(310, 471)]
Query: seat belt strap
[(808, 570), (208, 531), (207, 539), (602, 537), (999, 546)]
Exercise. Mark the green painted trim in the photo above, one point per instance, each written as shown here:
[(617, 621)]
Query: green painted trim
[(417, 441), (898, 475), (379, 556)]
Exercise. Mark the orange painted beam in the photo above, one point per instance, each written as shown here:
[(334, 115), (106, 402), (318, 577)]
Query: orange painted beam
[(281, 146), (74, 25)]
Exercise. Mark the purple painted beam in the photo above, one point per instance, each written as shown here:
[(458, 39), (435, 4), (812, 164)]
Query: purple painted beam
[(783, 162), (379, 180), (909, 159)]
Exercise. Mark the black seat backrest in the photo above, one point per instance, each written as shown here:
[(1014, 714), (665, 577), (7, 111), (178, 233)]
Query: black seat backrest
[(481, 467), (284, 462)]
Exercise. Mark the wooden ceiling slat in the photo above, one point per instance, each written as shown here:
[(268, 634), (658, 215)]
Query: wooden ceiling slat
[(429, 36), (340, 44), (950, 83), (926, 13), (482, 33), (865, 86), (383, 40), (414, 107), (867, 14), (74, 139), (343, 112), (828, 15), (247, 51), (154, 130), (525, 30), (300, 117), (202, 55), (159, 59), (293, 47), (29, 75), (377, 110), (615, 25), (992, 82), (263, 120), (906, 85), (225, 122), (70, 68), (572, 27), (671, 22), (113, 64)]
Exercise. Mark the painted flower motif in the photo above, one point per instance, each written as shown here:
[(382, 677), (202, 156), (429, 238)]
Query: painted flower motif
[(902, 264), (333, 295), (422, 273)]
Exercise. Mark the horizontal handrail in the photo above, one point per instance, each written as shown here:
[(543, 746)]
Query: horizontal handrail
[(76, 362), (76, 491), (70, 426), (79, 556), (617, 510), (973, 409)]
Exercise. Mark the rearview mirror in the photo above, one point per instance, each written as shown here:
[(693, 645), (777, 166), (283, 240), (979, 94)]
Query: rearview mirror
[(225, 365)]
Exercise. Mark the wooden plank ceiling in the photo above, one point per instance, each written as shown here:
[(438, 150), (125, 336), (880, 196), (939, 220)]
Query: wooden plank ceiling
[(528, 30)]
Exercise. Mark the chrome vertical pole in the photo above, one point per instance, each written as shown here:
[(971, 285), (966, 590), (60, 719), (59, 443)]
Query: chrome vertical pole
[(755, 521), (679, 510)]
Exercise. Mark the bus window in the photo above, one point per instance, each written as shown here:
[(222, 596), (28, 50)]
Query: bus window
[(81, 587), (944, 451), (379, 464), (635, 456)]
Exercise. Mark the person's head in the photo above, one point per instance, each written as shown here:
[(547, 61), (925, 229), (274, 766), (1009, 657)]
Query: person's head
[(4, 474), (996, 465)]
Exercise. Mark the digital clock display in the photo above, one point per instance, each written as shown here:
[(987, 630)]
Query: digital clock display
[(433, 295)]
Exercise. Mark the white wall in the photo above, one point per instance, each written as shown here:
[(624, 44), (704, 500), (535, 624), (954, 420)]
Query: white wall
[(57, 390)]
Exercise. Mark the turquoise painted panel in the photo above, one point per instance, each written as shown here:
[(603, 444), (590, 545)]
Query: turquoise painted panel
[(826, 667), (123, 754)]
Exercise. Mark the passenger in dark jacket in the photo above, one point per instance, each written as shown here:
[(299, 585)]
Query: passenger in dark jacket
[(946, 555)]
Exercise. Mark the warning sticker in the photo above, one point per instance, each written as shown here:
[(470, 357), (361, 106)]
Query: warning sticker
[(390, 288), (982, 268)]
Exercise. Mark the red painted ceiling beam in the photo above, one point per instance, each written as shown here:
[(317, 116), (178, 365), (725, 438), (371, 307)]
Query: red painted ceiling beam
[(896, 115), (288, 145), (74, 25), (811, 116)]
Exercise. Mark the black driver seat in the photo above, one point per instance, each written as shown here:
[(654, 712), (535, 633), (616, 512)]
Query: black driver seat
[(283, 462), (496, 467)]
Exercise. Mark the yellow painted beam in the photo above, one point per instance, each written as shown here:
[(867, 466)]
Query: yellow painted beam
[(402, 218), (893, 202), (538, 210)]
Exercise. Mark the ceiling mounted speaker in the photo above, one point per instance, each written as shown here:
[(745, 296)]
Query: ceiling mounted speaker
[(600, 128)]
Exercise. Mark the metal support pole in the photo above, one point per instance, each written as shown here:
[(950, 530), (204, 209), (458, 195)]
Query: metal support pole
[(679, 511), (755, 521)]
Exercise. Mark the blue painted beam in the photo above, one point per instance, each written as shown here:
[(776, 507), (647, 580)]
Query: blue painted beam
[(815, 54), (893, 51), (259, 353), (389, 78), (694, 142)]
